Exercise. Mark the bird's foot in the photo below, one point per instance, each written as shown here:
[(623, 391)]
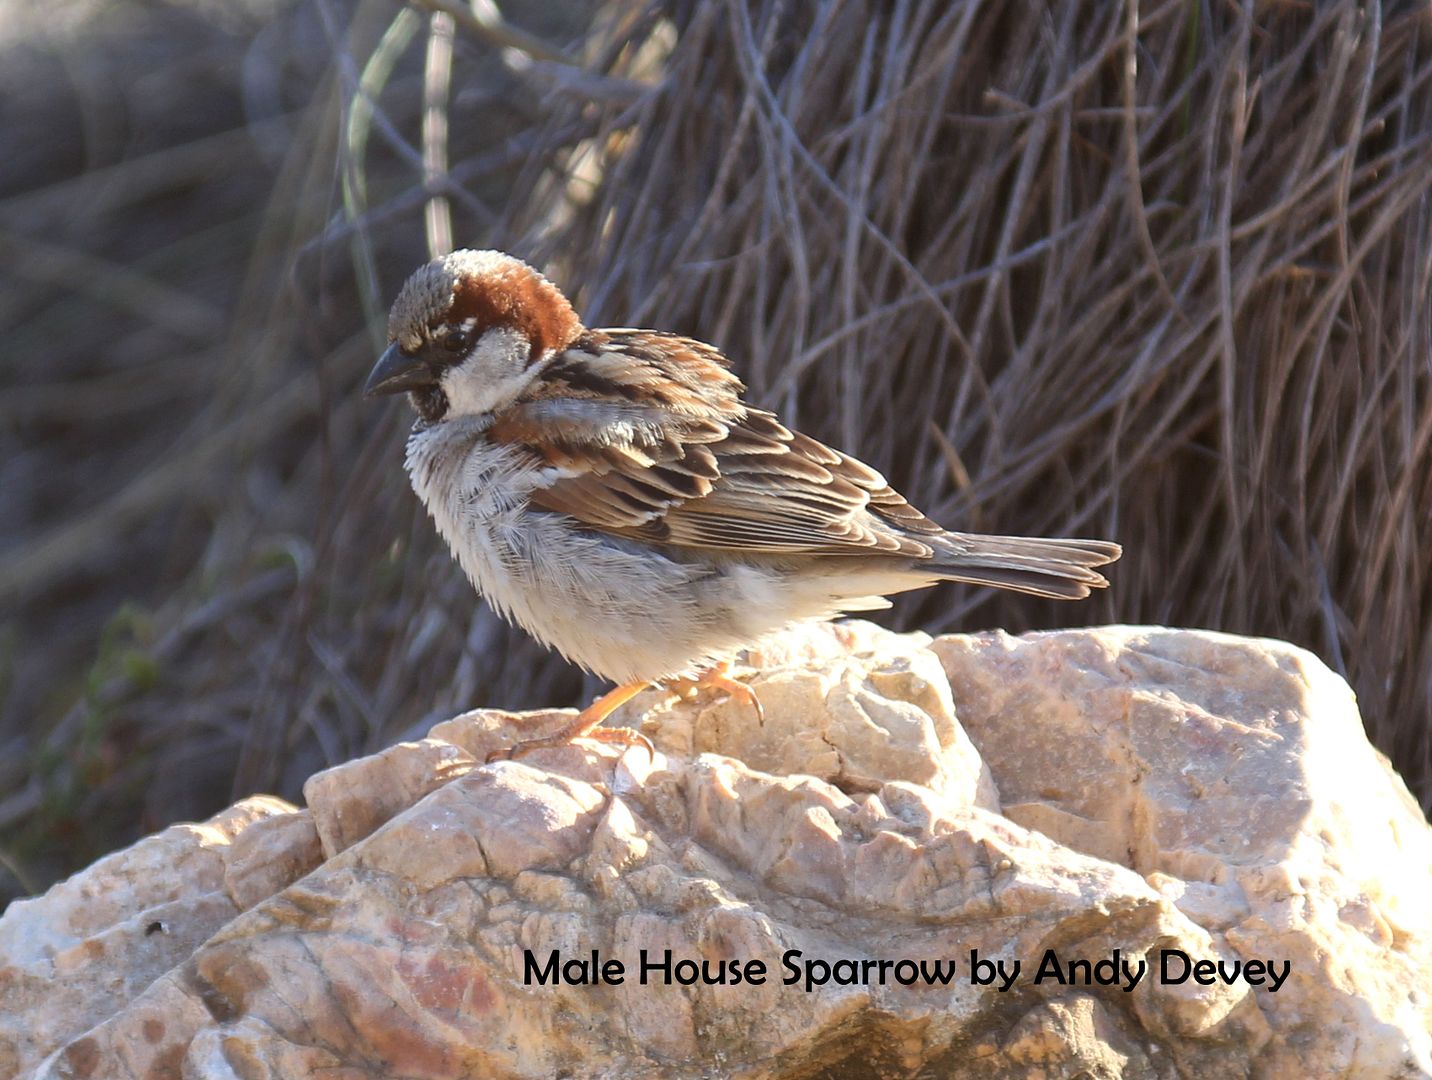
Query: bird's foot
[(585, 725), (719, 678)]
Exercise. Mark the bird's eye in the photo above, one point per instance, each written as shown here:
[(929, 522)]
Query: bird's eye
[(455, 341)]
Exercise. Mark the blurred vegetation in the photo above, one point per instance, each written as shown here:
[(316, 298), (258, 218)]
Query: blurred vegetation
[(1158, 273)]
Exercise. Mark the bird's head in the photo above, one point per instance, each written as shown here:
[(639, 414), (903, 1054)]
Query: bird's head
[(469, 333)]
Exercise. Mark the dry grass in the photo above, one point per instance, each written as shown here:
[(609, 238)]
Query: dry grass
[(1160, 274)]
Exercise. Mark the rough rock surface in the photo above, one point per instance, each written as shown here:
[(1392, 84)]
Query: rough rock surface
[(1135, 790), (91, 944)]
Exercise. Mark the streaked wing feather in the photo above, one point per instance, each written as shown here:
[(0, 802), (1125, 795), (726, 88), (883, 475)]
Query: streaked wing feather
[(696, 469)]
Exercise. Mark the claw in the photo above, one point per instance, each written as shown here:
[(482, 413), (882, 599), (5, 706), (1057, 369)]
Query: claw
[(585, 726), (718, 678)]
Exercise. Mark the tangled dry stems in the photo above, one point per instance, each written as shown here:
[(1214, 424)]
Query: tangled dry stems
[(1160, 273)]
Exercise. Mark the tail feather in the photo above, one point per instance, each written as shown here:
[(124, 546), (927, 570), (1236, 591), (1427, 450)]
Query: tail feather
[(1061, 569)]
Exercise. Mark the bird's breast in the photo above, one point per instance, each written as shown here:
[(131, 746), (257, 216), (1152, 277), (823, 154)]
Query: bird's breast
[(477, 493), (602, 602)]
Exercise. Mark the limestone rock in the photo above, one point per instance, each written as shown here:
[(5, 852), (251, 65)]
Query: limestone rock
[(351, 800), (92, 943), (872, 706), (1135, 793), (1233, 774)]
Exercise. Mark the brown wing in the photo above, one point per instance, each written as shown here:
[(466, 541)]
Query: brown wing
[(649, 439)]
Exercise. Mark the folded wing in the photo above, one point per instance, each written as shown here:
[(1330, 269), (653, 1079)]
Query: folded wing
[(647, 438)]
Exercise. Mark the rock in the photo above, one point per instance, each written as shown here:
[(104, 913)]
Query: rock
[(1137, 794), (1234, 776), (90, 945), (351, 800), (872, 706)]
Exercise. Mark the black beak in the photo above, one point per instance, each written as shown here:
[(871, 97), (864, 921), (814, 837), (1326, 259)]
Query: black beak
[(396, 372)]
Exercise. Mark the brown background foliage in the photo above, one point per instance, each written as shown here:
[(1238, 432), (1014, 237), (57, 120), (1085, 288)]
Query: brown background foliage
[(1159, 273)]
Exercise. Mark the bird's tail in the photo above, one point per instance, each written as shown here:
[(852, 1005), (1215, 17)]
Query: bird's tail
[(1062, 569)]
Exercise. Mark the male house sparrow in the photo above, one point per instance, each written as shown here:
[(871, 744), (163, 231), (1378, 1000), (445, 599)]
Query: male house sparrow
[(610, 492)]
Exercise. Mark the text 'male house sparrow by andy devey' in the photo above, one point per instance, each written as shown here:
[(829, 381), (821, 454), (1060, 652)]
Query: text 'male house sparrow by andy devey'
[(610, 492)]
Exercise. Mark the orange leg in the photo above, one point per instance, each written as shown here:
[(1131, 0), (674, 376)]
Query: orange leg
[(718, 678), (585, 726)]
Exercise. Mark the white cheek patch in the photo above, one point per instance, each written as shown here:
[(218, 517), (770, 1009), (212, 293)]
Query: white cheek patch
[(495, 372)]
